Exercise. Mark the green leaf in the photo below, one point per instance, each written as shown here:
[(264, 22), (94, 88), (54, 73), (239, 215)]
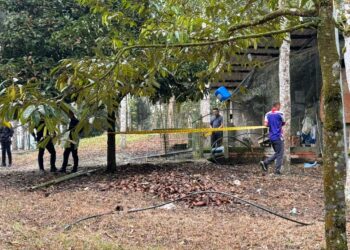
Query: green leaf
[(303, 3), (255, 43), (50, 125), (28, 112), (12, 92)]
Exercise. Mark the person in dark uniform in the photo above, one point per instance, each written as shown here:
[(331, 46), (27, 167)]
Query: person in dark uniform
[(71, 146), (6, 132), (216, 122), (39, 138)]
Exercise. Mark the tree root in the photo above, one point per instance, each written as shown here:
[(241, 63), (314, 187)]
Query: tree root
[(135, 210)]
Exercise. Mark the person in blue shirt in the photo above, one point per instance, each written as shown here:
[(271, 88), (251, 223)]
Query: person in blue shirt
[(274, 120), (216, 122)]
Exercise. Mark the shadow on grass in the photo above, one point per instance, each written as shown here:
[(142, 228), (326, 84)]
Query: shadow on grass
[(20, 179), (24, 179)]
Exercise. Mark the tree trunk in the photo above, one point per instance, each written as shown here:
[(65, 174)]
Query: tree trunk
[(128, 113), (285, 93), (23, 138), (226, 122), (111, 144), (347, 73), (334, 165), (123, 121), (205, 109), (171, 113), (347, 41), (347, 58), (25, 141), (15, 136), (205, 115)]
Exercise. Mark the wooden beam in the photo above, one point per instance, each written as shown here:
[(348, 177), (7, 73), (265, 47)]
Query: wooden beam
[(303, 36), (230, 85), (232, 76), (296, 47), (261, 54)]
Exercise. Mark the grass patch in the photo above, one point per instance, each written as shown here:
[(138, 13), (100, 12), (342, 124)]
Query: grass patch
[(94, 241)]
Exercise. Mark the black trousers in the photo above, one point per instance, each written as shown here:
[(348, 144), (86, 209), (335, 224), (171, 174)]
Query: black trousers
[(6, 149), (51, 148), (72, 149), (216, 139)]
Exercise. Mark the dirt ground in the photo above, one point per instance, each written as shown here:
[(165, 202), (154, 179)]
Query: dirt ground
[(36, 220)]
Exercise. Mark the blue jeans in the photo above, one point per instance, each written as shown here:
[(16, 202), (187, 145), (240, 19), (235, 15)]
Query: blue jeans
[(278, 147)]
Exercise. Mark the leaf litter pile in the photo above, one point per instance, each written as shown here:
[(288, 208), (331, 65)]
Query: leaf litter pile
[(173, 185), (169, 181)]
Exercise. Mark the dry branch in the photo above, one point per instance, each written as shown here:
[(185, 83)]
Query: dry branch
[(62, 179), (268, 210)]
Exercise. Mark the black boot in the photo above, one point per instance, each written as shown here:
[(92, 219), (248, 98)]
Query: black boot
[(62, 170), (53, 170)]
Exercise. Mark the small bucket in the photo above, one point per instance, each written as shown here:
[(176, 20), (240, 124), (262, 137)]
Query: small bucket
[(222, 94)]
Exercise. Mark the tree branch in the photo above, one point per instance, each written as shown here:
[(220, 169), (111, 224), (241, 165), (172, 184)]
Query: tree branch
[(220, 41), (233, 197), (192, 45), (208, 43), (273, 15)]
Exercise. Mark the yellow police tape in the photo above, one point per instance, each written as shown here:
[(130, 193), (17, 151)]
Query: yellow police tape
[(188, 130)]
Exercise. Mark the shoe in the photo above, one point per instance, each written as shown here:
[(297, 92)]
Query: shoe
[(42, 170), (278, 172), (53, 170), (263, 166), (74, 170), (62, 170), (3, 165)]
